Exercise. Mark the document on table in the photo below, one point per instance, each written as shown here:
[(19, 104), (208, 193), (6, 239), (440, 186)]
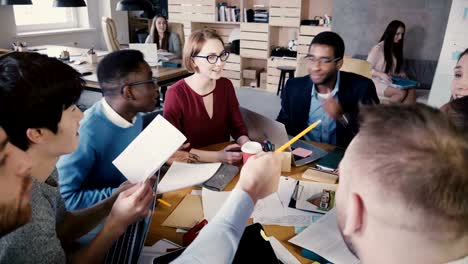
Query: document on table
[(286, 189), (269, 206), (324, 239), (149, 150), (212, 201), (282, 253), (292, 217), (181, 175), (273, 208), (309, 190), (187, 214)]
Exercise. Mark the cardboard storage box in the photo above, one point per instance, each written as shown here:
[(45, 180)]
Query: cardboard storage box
[(250, 73)]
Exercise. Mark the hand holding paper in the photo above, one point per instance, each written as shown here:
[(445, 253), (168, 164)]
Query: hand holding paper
[(150, 150)]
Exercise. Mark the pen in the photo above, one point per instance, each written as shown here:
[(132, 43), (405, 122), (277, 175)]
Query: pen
[(296, 138), (164, 202)]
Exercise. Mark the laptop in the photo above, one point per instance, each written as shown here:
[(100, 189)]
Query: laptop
[(128, 247), (150, 52), (261, 128)]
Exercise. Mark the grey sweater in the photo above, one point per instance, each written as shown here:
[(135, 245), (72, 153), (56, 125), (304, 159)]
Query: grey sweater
[(37, 241)]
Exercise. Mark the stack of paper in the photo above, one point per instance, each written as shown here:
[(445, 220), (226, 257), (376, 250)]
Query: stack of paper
[(324, 239), (181, 175), (272, 210), (149, 150), (212, 201)]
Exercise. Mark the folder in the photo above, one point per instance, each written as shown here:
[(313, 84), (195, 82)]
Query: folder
[(187, 214)]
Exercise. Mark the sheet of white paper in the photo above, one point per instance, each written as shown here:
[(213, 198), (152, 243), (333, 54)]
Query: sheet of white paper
[(149, 150), (292, 217), (324, 238), (181, 175), (282, 253), (269, 206), (286, 189), (308, 190), (158, 249), (212, 201), (266, 208), (196, 192)]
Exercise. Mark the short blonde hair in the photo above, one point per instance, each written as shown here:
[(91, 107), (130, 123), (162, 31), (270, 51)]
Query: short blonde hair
[(425, 163), (194, 44)]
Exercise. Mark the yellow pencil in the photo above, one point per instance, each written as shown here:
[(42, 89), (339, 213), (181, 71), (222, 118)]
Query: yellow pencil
[(164, 202), (296, 138)]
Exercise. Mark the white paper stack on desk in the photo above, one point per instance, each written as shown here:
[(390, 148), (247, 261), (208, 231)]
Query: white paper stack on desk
[(270, 210), (324, 239)]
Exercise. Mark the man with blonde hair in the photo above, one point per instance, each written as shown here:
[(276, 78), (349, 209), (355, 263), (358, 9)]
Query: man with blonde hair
[(403, 192)]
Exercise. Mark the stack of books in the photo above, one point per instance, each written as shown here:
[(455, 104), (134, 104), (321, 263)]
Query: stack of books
[(260, 14), (225, 13)]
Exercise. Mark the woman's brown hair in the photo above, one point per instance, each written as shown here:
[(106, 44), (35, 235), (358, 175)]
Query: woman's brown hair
[(194, 45)]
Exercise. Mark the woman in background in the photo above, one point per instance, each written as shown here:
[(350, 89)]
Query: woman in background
[(204, 106), (165, 40), (387, 59), (459, 86)]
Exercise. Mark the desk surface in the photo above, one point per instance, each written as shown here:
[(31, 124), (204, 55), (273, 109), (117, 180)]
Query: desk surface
[(282, 233), (163, 74)]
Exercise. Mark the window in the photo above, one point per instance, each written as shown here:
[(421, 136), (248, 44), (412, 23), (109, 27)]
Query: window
[(41, 15)]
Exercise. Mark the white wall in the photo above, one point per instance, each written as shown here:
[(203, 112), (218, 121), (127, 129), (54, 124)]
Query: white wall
[(455, 42), (95, 9)]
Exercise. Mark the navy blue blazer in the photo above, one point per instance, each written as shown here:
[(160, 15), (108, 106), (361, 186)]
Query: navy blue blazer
[(354, 90)]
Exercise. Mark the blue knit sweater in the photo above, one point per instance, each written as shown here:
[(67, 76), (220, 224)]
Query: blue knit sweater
[(87, 175)]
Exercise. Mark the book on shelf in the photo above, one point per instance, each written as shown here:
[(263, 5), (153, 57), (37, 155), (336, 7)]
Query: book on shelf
[(221, 11)]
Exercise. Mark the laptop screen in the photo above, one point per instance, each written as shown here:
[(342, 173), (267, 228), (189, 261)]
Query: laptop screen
[(150, 51)]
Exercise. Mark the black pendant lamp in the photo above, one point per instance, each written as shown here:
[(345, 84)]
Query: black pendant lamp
[(15, 2), (137, 5), (69, 3), (133, 5)]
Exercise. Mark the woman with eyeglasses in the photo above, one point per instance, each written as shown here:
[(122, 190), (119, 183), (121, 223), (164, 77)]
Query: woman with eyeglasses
[(204, 106), (387, 61), (165, 40)]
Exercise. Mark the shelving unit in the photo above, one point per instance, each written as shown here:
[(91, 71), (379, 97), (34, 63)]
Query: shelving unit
[(256, 39)]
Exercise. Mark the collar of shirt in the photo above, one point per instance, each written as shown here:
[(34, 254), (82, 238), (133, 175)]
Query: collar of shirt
[(333, 92), (114, 117)]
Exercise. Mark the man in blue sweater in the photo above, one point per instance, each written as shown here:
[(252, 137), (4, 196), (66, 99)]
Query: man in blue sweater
[(87, 175)]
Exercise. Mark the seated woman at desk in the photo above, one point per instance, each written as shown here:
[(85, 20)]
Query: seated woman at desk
[(459, 86), (387, 59), (165, 40), (204, 106)]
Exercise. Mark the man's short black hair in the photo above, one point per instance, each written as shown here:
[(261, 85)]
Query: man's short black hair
[(113, 70), (34, 91), (330, 39)]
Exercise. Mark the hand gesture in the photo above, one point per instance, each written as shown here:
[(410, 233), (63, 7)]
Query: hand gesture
[(385, 78), (230, 157), (333, 108), (131, 205), (260, 175)]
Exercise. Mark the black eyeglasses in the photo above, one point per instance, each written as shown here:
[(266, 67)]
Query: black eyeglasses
[(153, 82), (311, 58), (212, 59)]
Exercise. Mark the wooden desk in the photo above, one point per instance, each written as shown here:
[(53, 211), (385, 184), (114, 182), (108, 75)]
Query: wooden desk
[(165, 75), (282, 233)]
